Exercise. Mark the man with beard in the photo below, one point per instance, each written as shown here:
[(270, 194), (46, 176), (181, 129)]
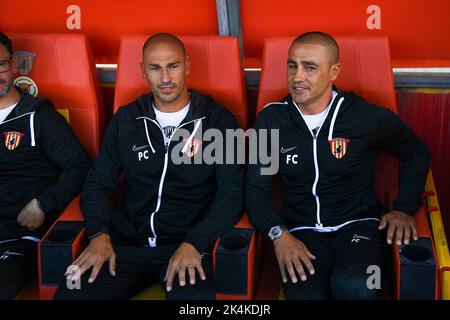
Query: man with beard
[(37, 148)]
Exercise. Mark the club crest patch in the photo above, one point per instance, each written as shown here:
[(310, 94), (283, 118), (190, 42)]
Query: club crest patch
[(12, 139), (27, 85), (193, 147), (23, 61), (339, 147)]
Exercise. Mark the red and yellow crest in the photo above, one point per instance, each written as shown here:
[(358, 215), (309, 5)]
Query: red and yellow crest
[(12, 139), (339, 147), (193, 147)]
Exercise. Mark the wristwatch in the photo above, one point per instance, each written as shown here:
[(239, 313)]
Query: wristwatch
[(276, 232)]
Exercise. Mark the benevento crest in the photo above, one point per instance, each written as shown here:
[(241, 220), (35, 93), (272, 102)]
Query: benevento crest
[(12, 139), (339, 147)]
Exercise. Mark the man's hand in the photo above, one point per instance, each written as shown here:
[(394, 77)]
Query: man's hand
[(186, 257), (31, 216), (292, 254), (402, 224), (98, 251)]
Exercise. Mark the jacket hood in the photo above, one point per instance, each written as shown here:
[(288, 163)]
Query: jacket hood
[(27, 103)]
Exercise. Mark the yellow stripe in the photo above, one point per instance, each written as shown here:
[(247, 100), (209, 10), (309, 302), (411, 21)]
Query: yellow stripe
[(65, 113), (15, 136), (440, 239), (154, 292), (425, 90), (107, 84)]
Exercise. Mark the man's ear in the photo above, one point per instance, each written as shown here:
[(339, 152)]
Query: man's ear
[(188, 64), (14, 67), (143, 71), (335, 68)]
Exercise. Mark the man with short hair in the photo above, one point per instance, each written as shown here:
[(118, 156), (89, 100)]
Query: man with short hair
[(171, 213), (329, 230), (37, 146)]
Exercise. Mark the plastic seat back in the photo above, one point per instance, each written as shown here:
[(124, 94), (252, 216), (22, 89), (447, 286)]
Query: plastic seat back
[(216, 70)]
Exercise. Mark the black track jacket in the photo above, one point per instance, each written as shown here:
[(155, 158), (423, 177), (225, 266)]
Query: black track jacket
[(36, 146), (162, 202), (329, 180)]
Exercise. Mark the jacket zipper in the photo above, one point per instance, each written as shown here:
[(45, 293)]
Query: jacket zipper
[(152, 240), (31, 114), (316, 180), (316, 162), (316, 166)]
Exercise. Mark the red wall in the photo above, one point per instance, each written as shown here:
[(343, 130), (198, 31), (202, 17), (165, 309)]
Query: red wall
[(104, 21), (418, 30), (429, 115)]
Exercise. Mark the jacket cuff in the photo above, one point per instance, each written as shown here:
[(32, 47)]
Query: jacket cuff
[(406, 210), (95, 231), (198, 240), (46, 203), (276, 221)]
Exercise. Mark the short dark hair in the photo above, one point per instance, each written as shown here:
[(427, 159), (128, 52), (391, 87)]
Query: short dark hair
[(317, 37), (4, 40), (164, 37)]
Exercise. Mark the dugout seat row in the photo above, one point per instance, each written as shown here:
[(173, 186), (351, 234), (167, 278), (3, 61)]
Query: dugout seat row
[(63, 70)]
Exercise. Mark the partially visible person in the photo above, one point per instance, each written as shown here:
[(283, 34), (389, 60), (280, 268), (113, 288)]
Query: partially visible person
[(42, 168)]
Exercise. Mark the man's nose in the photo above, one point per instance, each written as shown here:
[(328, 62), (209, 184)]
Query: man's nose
[(300, 75), (165, 75)]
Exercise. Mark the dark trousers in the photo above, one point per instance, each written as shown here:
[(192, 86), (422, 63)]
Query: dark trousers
[(136, 269), (18, 266), (341, 265)]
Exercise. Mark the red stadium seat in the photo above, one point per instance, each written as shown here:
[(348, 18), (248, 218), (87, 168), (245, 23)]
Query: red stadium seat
[(216, 70), (365, 70), (63, 71)]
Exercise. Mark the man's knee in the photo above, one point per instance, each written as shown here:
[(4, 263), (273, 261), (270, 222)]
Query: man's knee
[(353, 284), (85, 291), (353, 291), (64, 293), (17, 269), (192, 292), (316, 290), (8, 291), (302, 294), (67, 292), (13, 283)]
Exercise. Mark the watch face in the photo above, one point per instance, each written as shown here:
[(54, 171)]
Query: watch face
[(275, 232)]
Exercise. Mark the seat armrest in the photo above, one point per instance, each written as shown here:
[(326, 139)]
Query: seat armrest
[(415, 265), (59, 247), (236, 260)]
